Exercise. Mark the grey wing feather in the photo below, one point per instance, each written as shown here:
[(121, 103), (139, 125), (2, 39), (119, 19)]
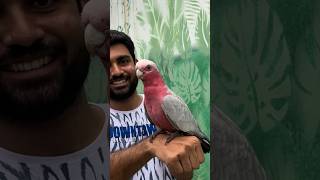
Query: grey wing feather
[(179, 114)]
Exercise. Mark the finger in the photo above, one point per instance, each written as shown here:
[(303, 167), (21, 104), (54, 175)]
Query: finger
[(186, 165), (175, 168), (193, 157), (199, 152), (185, 177), (190, 175)]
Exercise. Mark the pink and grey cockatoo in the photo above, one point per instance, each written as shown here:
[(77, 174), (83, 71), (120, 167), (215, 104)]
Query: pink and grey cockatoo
[(165, 109), (95, 18)]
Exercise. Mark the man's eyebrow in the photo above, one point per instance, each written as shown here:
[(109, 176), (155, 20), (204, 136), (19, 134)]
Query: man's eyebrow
[(123, 57)]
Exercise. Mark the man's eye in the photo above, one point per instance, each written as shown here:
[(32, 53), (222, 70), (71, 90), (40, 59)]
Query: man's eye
[(123, 61), (42, 4)]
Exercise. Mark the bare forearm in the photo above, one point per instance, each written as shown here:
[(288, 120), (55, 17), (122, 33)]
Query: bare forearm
[(125, 163)]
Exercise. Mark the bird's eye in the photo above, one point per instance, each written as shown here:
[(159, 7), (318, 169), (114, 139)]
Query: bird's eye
[(148, 67)]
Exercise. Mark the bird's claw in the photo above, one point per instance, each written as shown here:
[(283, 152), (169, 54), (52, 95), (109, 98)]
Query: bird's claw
[(154, 135), (172, 136)]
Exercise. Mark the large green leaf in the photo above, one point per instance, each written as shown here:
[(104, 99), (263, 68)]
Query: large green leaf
[(187, 81), (252, 66)]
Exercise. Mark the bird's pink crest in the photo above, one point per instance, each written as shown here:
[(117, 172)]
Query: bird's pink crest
[(146, 68), (143, 63)]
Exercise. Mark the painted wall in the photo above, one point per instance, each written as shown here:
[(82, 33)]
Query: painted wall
[(266, 74), (176, 35), (96, 83)]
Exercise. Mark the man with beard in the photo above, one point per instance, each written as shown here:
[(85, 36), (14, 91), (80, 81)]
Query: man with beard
[(48, 129), (133, 155)]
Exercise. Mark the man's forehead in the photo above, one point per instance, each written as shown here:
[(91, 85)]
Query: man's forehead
[(119, 57), (118, 50)]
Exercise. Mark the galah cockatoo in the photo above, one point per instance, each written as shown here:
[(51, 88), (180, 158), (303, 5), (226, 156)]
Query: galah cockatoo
[(165, 109), (95, 18)]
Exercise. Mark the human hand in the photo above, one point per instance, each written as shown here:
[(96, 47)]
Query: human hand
[(182, 155)]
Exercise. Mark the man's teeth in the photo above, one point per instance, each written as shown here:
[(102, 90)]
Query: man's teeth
[(119, 82), (27, 66)]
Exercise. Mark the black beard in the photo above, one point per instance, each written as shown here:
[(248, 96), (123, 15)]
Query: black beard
[(46, 99), (123, 96)]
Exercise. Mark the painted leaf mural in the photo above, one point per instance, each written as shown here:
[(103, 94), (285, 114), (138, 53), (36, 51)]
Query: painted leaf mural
[(253, 80), (206, 87), (306, 102), (168, 32), (187, 82), (96, 84), (202, 33), (252, 77)]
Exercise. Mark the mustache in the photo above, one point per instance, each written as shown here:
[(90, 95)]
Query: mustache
[(118, 77), (39, 48)]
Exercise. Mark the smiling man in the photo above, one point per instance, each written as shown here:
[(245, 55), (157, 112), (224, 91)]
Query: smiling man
[(48, 129), (133, 155)]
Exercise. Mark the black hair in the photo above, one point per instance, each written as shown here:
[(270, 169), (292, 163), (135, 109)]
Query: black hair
[(117, 37)]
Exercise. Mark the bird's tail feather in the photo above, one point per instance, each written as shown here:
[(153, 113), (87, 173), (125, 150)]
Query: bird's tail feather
[(205, 144)]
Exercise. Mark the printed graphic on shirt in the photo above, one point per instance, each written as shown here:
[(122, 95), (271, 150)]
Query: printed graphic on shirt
[(87, 164), (128, 128), (91, 167), (90, 163)]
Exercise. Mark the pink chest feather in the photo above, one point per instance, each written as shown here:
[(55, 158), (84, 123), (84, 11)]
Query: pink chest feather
[(153, 106)]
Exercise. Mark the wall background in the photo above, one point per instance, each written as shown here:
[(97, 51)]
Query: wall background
[(267, 79), (175, 35)]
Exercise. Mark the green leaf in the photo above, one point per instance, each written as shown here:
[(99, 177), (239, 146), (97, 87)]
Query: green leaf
[(191, 11), (141, 47), (184, 44), (175, 12), (206, 87), (187, 81), (155, 18), (252, 75), (140, 18), (203, 32)]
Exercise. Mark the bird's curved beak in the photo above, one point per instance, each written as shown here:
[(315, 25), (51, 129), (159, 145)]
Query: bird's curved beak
[(139, 74)]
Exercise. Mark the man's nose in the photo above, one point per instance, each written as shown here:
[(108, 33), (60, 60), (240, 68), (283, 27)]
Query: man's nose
[(115, 70), (18, 28)]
